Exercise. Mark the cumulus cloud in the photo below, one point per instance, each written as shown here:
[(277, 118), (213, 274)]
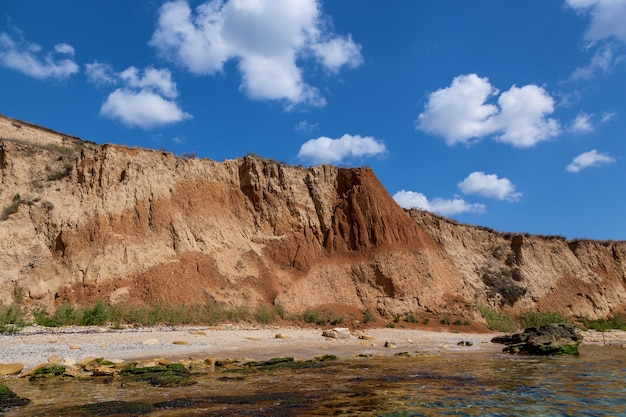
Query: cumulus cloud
[(146, 99), (445, 207), (522, 118), (268, 38), (490, 186), (29, 59), (589, 159), (459, 113), (324, 150)]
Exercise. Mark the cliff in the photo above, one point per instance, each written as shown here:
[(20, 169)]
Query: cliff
[(83, 222)]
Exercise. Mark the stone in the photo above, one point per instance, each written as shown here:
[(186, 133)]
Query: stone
[(180, 342), (72, 371), (282, 336), (9, 399), (390, 344), (75, 347), (104, 371), (86, 360), (54, 360), (150, 342), (551, 339), (10, 368), (337, 333)]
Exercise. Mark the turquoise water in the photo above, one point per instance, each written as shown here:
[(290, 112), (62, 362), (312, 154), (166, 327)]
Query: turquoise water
[(592, 384)]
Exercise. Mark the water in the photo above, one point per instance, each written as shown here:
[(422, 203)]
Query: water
[(592, 384)]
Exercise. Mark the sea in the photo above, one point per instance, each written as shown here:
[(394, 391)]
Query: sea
[(446, 384)]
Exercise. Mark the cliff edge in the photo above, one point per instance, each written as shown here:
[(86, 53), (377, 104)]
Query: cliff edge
[(82, 222)]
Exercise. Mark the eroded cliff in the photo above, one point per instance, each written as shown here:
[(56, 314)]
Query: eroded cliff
[(84, 222)]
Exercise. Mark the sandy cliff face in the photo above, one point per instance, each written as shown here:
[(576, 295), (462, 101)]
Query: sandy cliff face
[(84, 222)]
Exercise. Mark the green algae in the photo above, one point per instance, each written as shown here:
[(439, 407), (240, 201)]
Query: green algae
[(172, 375), (47, 372)]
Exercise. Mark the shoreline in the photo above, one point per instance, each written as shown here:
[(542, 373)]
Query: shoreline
[(35, 345)]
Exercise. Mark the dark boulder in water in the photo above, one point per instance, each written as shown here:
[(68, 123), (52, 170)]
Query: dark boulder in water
[(551, 339), (10, 399)]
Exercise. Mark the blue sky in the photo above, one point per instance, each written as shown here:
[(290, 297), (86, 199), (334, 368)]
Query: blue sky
[(509, 115)]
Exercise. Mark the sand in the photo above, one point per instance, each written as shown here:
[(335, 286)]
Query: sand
[(35, 345)]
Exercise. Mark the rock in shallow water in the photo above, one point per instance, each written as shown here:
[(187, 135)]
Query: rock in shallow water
[(9, 399), (551, 339)]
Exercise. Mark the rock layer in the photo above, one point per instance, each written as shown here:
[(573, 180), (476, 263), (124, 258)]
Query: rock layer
[(83, 222)]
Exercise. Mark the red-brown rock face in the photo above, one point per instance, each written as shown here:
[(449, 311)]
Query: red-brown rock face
[(84, 222)]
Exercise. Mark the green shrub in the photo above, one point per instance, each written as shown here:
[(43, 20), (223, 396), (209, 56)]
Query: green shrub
[(65, 315), (265, 315), (321, 318), (12, 318), (10, 209), (410, 317), (497, 320), (368, 316), (97, 315), (615, 322), (537, 319), (311, 316)]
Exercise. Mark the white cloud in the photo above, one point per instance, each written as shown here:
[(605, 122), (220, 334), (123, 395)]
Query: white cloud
[(338, 52), (608, 116), (100, 74), (64, 48), (445, 207), (607, 18), (522, 118), (157, 80), (489, 185), (326, 150), (589, 159), (305, 126), (459, 113), (601, 62), (145, 100), (269, 38), (582, 123), (27, 58), (606, 28)]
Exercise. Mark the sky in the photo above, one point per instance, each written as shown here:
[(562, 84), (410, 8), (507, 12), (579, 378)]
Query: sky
[(507, 115)]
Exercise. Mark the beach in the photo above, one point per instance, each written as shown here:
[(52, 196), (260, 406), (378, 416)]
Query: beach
[(35, 345)]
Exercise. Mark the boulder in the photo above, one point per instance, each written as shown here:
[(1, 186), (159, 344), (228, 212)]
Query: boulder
[(551, 339), (337, 333)]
